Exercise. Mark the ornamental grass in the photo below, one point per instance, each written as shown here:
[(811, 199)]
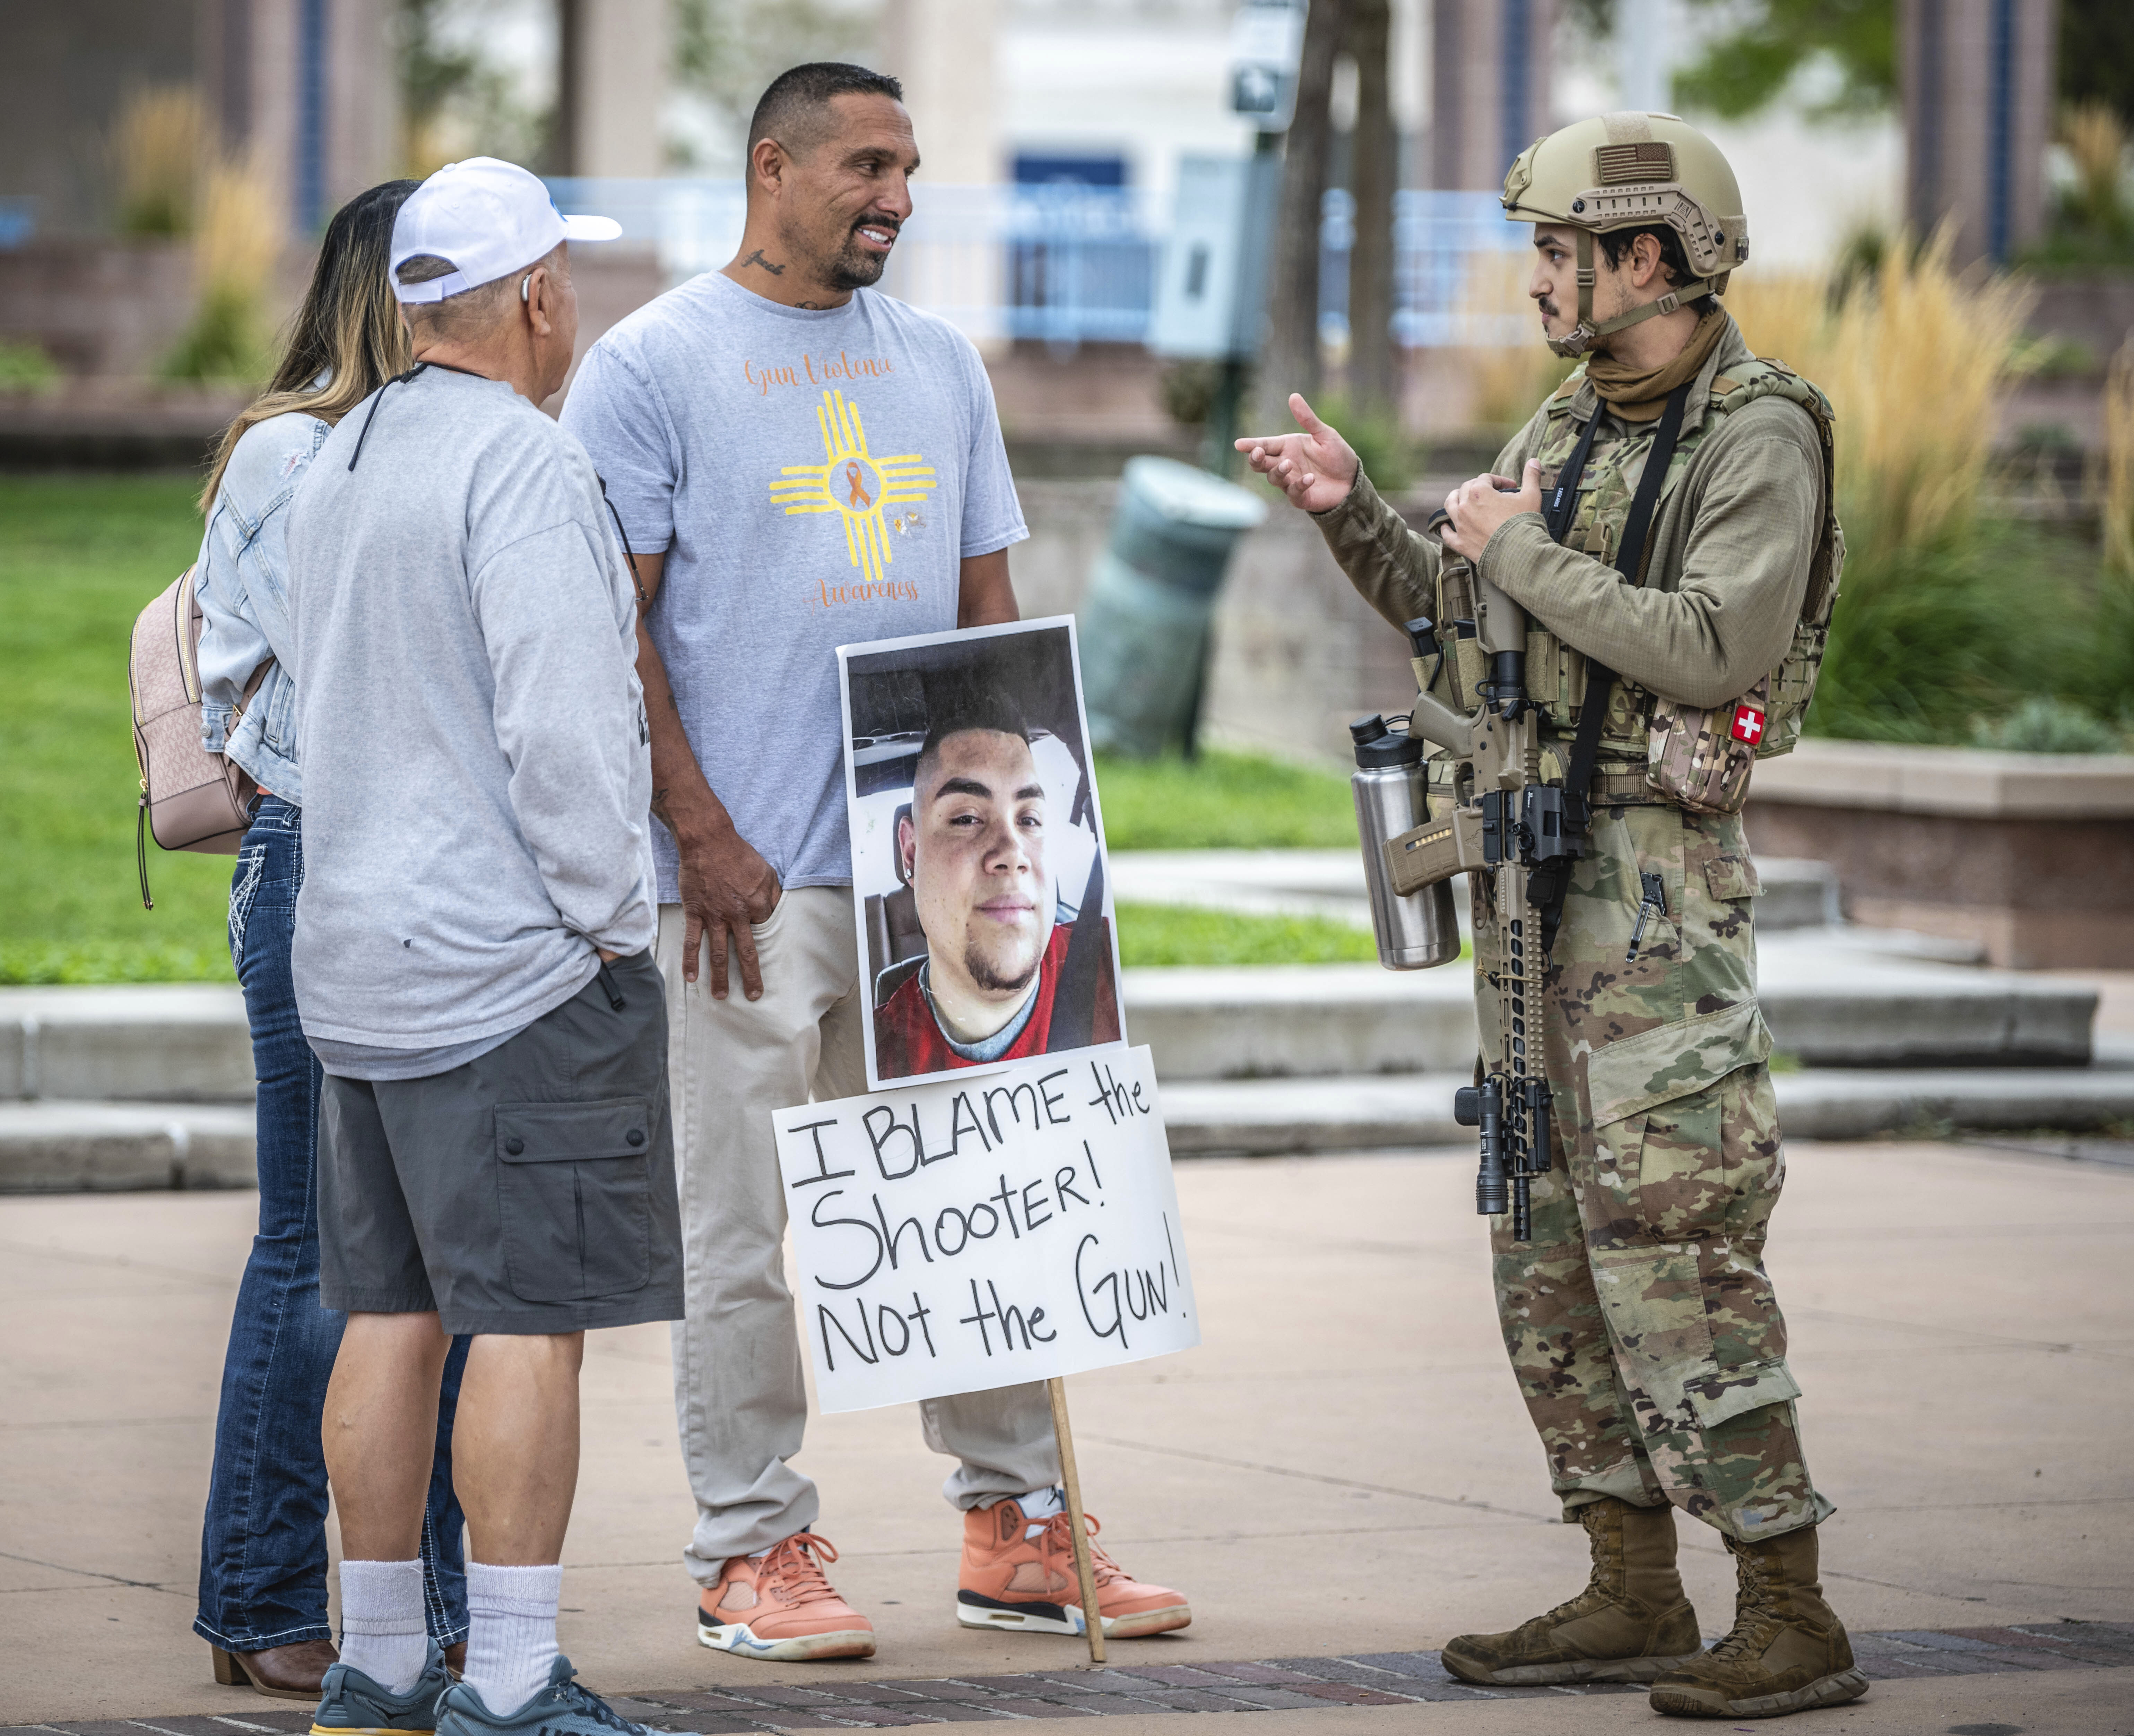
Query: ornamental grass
[(155, 147), (2095, 139), (1948, 620), (236, 246)]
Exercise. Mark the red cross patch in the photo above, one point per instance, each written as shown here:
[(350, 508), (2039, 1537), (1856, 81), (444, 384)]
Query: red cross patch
[(1748, 723)]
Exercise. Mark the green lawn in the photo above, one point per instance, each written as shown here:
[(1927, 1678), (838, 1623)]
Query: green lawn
[(1170, 934), (1224, 801), (80, 558)]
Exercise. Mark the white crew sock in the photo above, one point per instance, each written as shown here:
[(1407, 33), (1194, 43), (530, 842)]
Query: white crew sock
[(1040, 1505), (382, 1631), (511, 1636)]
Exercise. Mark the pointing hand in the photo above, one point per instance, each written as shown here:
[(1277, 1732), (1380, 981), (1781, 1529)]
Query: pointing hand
[(1316, 469)]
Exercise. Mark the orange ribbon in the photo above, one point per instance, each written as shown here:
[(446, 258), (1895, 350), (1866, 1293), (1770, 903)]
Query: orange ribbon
[(857, 496)]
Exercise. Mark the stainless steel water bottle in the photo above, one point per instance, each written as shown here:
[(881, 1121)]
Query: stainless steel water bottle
[(1421, 929)]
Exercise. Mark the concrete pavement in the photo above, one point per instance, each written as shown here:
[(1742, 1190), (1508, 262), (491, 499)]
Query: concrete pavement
[(1343, 1467)]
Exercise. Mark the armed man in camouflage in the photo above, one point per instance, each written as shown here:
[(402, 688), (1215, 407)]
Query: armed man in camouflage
[(1648, 1343)]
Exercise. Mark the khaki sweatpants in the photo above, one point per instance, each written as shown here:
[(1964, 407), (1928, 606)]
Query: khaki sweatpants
[(738, 1392)]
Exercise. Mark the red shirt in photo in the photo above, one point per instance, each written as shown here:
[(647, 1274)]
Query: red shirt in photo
[(908, 1038)]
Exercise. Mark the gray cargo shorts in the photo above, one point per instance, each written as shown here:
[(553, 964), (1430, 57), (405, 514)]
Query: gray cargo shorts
[(531, 1190)]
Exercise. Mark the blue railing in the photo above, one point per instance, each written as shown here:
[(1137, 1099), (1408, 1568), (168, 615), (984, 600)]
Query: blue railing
[(1067, 264)]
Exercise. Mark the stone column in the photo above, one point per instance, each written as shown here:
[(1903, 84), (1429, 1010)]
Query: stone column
[(612, 88), (1489, 87), (1978, 79), (1372, 380), (361, 126), (943, 51), (311, 86)]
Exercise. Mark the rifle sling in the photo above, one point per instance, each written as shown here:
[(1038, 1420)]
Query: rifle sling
[(1551, 882)]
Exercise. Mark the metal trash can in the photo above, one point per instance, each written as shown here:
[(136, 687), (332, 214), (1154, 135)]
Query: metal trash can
[(1144, 624)]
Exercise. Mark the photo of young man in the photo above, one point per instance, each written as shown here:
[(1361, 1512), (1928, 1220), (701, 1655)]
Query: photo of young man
[(971, 848)]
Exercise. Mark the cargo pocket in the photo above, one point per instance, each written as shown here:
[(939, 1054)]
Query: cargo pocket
[(1732, 875), (1670, 1061), (1652, 1300), (573, 1186), (1657, 1302), (1685, 1185), (1724, 1394)]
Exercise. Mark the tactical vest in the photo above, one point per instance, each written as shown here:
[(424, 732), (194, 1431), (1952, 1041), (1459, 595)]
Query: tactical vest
[(1555, 672)]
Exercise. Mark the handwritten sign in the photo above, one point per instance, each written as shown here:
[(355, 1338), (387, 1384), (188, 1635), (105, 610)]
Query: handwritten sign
[(971, 1234)]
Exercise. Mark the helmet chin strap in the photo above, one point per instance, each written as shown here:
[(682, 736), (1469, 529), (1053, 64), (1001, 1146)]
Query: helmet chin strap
[(1585, 334)]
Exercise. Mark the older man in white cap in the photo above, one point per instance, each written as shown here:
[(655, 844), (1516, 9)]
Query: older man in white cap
[(473, 956)]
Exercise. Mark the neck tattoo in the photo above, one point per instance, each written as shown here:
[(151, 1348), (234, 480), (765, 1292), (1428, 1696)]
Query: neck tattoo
[(757, 258)]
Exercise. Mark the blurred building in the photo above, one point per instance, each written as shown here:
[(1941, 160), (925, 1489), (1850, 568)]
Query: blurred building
[(1978, 77), (1051, 131), (310, 85)]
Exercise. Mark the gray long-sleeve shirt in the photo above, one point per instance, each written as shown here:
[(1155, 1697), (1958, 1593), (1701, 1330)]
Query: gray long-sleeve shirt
[(476, 765)]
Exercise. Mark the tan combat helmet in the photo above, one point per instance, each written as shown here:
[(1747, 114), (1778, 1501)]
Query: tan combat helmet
[(1632, 171)]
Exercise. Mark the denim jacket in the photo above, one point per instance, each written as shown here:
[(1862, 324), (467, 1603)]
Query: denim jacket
[(242, 581)]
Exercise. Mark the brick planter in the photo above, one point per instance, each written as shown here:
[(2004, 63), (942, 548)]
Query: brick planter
[(2031, 855)]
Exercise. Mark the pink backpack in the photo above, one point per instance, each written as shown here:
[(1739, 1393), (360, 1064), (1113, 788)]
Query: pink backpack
[(190, 799)]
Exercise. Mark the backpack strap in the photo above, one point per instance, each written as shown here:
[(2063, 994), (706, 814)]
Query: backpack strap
[(1767, 377)]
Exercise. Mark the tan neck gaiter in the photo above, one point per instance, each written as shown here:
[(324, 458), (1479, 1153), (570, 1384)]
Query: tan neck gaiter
[(1640, 394)]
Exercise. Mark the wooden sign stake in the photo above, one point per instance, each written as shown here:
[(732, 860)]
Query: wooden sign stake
[(1084, 1568)]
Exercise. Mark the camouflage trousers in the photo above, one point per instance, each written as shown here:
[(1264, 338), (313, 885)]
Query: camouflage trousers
[(1639, 1320)]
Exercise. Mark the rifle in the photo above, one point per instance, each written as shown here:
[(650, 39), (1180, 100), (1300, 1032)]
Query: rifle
[(1522, 831), (1510, 823)]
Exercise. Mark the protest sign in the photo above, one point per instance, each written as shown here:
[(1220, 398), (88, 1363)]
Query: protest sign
[(1016, 1225)]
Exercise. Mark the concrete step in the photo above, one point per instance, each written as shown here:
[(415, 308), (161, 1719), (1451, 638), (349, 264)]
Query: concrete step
[(164, 1042), (1826, 1003), (1269, 1117), (1830, 1001), (58, 1147), (1797, 893)]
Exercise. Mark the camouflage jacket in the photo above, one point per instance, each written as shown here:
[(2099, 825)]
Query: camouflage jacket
[(1741, 523)]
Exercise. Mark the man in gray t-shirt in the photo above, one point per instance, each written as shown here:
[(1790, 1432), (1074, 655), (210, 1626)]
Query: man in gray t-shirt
[(800, 462)]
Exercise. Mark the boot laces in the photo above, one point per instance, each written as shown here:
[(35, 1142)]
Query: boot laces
[(1600, 1588), (791, 1571), (1059, 1539), (1755, 1612)]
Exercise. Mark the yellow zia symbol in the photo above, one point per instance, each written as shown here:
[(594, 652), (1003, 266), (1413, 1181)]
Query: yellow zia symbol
[(851, 482)]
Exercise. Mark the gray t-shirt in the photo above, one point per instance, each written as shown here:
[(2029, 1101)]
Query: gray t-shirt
[(815, 477), (476, 770)]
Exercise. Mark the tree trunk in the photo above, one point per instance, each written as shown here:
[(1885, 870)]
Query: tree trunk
[(1289, 356), (1371, 380)]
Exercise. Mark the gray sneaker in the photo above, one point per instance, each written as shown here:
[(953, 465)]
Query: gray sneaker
[(352, 1705), (562, 1709)]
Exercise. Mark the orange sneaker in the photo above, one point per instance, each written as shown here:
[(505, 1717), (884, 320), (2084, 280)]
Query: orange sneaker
[(1011, 1579), (782, 1608)]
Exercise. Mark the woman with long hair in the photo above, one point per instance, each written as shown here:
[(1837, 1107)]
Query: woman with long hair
[(262, 1597)]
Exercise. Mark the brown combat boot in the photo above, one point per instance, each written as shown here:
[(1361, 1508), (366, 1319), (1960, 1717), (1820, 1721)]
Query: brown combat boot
[(1630, 1623), (1787, 1651)]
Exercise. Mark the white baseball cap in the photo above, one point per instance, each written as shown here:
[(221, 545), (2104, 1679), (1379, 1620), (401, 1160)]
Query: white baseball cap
[(489, 218)]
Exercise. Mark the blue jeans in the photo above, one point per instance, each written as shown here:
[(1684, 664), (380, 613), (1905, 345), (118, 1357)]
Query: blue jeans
[(264, 1544)]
